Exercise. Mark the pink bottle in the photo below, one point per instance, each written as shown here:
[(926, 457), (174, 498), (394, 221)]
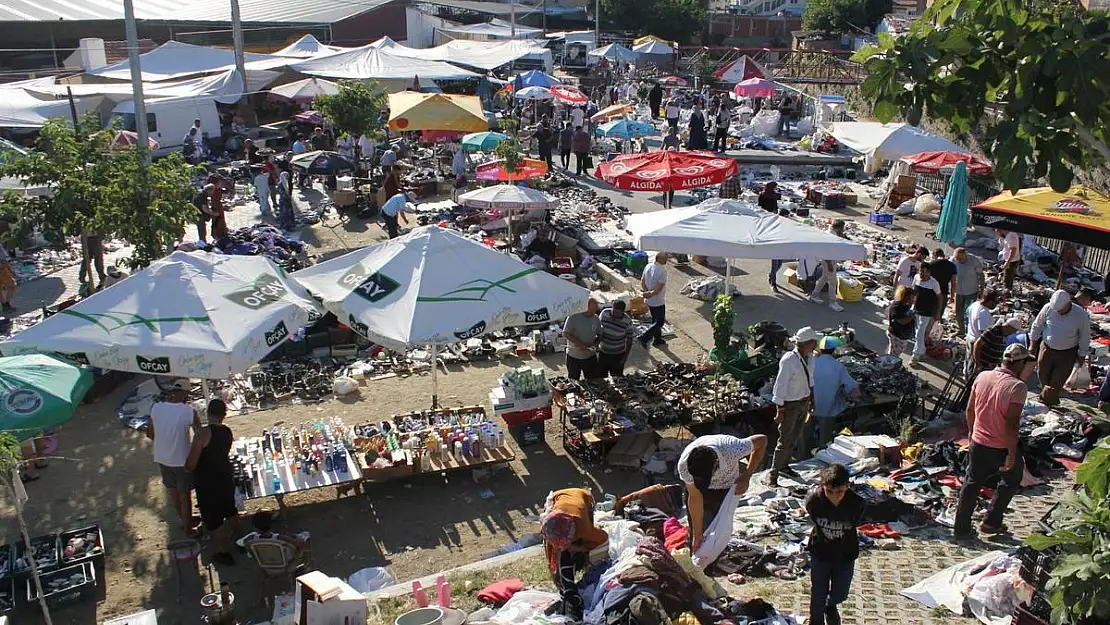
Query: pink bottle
[(419, 594), (443, 592)]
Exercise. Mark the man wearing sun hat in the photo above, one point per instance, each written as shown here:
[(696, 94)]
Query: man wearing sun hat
[(832, 386), (793, 396), (1061, 337), (993, 416)]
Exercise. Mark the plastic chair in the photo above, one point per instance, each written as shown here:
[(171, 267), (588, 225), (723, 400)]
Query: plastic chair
[(184, 551), (275, 558)]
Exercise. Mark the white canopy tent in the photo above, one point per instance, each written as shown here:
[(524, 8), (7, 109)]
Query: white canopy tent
[(614, 52), (435, 287), (888, 142), (491, 31), (733, 229), (175, 60), (509, 197), (386, 62), (308, 47), (192, 314), (306, 89), (20, 108), (484, 55), (224, 87), (653, 46)]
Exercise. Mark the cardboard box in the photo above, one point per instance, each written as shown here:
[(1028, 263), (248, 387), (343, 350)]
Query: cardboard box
[(906, 184), (343, 197), (323, 600), (637, 307)]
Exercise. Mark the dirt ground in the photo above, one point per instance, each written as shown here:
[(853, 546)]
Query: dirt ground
[(106, 474)]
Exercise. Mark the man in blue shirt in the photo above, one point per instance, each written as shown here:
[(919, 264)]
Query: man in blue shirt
[(832, 386), (394, 208)]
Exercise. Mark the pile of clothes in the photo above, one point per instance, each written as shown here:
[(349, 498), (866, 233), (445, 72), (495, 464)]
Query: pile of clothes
[(266, 240)]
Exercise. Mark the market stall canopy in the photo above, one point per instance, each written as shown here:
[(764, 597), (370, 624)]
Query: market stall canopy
[(673, 81), (535, 78), (307, 47), (626, 128), (733, 229), (614, 52), (527, 169), (483, 55), (20, 109), (410, 110), (667, 169), (654, 47), (191, 314), (369, 62), (38, 393), (1082, 215), (434, 286), (569, 95), (610, 112), (743, 68), (888, 142), (755, 88), (508, 196), (307, 89), (127, 139), (494, 29), (322, 163), (932, 162), (175, 59), (533, 93), (482, 141), (224, 87)]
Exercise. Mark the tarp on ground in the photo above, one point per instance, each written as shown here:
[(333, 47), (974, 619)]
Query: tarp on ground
[(1081, 215), (888, 142), (191, 314), (21, 109), (307, 47), (174, 60), (733, 229), (741, 69), (370, 62)]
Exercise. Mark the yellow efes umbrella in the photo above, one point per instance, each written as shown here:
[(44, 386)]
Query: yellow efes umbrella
[(1080, 215), (410, 110), (610, 112)]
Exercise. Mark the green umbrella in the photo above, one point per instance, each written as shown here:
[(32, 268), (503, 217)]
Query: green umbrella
[(39, 392)]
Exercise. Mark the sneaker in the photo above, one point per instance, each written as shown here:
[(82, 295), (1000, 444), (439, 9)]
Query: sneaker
[(816, 299), (836, 307)]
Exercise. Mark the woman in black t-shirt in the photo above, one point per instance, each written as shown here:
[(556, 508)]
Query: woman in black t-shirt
[(900, 321)]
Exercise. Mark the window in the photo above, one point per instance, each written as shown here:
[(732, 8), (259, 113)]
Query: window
[(129, 122)]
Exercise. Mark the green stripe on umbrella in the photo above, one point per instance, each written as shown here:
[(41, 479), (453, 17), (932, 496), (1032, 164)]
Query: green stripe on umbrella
[(39, 392)]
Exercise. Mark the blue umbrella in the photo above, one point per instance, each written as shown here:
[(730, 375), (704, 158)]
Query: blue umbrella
[(482, 141), (625, 129), (534, 78), (952, 227)]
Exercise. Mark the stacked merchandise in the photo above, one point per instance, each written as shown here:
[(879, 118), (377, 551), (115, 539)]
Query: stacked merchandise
[(287, 459), (523, 402)]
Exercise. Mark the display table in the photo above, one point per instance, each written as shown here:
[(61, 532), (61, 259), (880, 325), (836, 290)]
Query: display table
[(489, 457), (294, 481)]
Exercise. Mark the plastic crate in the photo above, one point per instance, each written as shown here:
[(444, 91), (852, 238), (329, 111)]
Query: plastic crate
[(7, 595), (94, 554), (529, 434), (77, 590), (880, 219), (848, 293), (49, 564), (634, 261)]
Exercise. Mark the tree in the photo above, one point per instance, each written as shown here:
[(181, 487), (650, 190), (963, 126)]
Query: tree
[(355, 109), (676, 20), (1027, 78), (843, 16), (99, 189)]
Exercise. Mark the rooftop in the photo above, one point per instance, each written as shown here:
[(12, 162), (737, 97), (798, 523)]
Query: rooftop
[(196, 11)]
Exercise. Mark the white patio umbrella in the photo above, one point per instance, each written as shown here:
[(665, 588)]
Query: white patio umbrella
[(509, 197), (733, 229), (534, 93), (306, 89), (435, 287), (191, 314)]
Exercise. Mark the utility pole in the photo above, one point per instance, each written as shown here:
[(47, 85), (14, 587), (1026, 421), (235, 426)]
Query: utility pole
[(545, 18), (512, 19), (136, 80), (237, 42), (597, 22)]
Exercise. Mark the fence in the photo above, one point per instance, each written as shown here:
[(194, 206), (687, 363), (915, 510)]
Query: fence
[(1095, 259)]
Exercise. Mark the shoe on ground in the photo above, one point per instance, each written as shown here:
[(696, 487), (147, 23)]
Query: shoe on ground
[(832, 616), (816, 299), (993, 530), (836, 307)]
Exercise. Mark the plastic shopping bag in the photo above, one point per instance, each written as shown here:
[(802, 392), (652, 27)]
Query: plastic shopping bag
[(1080, 378)]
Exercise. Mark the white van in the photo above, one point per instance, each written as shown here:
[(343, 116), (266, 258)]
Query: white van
[(169, 119)]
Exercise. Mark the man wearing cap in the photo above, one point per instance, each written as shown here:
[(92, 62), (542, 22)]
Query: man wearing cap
[(792, 394), (1061, 335), (393, 209), (993, 415), (832, 386), (169, 428)]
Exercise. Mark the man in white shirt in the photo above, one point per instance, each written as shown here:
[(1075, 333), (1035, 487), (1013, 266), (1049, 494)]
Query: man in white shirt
[(577, 117), (366, 149), (672, 113), (969, 284), (978, 321), (1061, 336), (654, 285), (793, 396), (170, 425), (908, 267), (1010, 243), (389, 158)]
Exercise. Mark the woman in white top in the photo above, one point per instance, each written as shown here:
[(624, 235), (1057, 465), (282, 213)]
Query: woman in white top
[(711, 467)]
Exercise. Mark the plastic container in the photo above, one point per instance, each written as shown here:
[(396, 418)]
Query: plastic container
[(634, 261), (880, 219), (94, 554), (848, 292), (421, 616), (84, 585)]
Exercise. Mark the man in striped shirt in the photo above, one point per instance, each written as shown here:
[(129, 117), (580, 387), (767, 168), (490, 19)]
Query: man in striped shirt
[(616, 339)]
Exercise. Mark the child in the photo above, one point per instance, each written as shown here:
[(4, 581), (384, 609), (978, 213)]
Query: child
[(834, 545)]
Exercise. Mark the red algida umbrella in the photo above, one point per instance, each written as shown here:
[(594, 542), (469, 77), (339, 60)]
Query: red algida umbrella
[(671, 169)]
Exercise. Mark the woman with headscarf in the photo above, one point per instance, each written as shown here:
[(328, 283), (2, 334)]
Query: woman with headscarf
[(769, 198), (569, 534), (713, 468), (698, 139)]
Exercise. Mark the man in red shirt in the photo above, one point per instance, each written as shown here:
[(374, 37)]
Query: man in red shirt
[(993, 415)]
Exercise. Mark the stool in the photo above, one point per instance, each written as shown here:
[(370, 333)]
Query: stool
[(182, 551)]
